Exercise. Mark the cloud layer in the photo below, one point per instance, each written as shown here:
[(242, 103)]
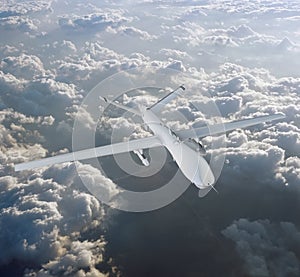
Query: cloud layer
[(244, 54)]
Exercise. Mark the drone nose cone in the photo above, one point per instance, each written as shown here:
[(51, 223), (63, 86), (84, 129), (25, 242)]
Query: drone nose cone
[(204, 179), (210, 179)]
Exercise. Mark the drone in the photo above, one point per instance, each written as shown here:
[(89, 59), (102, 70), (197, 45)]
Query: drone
[(184, 146)]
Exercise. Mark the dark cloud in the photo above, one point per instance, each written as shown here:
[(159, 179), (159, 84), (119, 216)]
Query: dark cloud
[(268, 249)]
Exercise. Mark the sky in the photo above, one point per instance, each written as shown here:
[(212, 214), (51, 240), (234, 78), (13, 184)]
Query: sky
[(244, 55)]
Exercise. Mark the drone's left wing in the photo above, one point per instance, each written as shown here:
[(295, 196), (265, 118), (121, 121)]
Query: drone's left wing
[(100, 151)]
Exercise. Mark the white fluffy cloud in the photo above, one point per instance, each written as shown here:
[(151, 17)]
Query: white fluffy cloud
[(43, 214), (39, 94), (23, 66), (94, 22), (41, 219), (14, 7), (134, 32), (18, 23), (21, 17), (78, 257)]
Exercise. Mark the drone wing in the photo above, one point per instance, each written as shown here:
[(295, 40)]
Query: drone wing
[(220, 128), (101, 151), (163, 101)]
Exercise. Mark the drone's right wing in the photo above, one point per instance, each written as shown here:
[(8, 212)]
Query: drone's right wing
[(100, 151), (220, 128)]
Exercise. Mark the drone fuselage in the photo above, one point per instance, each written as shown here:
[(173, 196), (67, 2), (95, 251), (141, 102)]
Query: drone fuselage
[(190, 162)]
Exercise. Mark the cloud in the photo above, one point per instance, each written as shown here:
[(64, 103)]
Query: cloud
[(176, 65), (66, 46), (174, 54), (92, 59), (22, 16), (81, 255), (41, 220), (285, 45), (18, 23), (285, 135), (291, 172), (95, 22), (195, 13), (241, 31), (187, 33), (9, 82), (23, 66), (10, 8), (220, 40), (44, 213), (263, 253), (228, 105), (120, 128), (258, 161), (100, 53), (134, 32), (40, 96), (7, 50)]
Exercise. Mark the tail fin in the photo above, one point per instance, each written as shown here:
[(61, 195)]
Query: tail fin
[(163, 101), (134, 111)]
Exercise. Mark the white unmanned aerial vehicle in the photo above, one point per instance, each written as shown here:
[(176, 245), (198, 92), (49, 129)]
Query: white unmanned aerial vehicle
[(183, 145)]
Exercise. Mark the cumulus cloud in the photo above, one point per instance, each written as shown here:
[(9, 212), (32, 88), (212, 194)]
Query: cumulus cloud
[(228, 105), (41, 96), (38, 223), (18, 23), (219, 41), (88, 63), (285, 135), (23, 66), (267, 249), (258, 160), (95, 22), (291, 171), (78, 257), (194, 13), (43, 214), (134, 32), (176, 65), (41, 220), (21, 17), (174, 54), (10, 8)]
